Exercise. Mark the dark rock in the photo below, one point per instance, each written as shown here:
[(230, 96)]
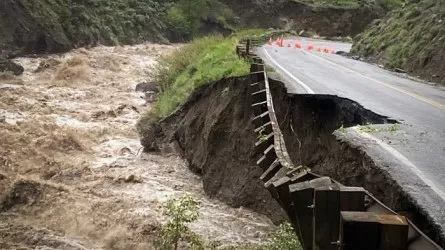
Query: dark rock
[(355, 57), (23, 32), (342, 53), (146, 87), (7, 65), (399, 70)]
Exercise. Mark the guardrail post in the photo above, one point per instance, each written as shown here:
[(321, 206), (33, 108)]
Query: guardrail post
[(248, 47), (327, 217), (352, 199), (302, 195), (368, 231), (394, 232)]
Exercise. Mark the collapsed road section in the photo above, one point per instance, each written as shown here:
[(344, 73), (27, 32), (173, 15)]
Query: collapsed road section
[(337, 216), (235, 135)]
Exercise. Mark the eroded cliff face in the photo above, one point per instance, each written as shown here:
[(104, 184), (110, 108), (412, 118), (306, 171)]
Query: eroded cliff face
[(213, 131)]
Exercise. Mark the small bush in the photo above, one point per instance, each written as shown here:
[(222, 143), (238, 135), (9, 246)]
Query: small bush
[(284, 239), (180, 211)]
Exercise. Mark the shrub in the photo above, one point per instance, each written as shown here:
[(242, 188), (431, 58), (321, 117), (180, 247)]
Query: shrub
[(180, 211), (283, 239)]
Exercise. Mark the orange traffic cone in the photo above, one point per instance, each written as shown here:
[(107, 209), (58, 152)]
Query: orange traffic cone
[(326, 51), (297, 45), (288, 45), (278, 41), (310, 47), (270, 41), (332, 51), (318, 50)]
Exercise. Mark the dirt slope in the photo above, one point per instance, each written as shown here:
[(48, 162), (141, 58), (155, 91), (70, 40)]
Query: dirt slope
[(214, 132), (411, 38)]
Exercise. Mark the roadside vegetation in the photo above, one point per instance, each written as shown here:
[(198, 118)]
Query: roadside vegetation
[(409, 38), (387, 5), (202, 61), (176, 234)]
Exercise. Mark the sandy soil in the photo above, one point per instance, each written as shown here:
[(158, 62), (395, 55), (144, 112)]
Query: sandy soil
[(72, 174)]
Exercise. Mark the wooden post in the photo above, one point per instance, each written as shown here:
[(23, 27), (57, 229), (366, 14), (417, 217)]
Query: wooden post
[(302, 195), (359, 230), (326, 217), (393, 232), (352, 199), (368, 231), (248, 47)]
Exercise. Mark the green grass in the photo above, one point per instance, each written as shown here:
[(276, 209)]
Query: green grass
[(387, 5), (407, 37), (368, 129), (104, 21), (332, 3), (202, 61)]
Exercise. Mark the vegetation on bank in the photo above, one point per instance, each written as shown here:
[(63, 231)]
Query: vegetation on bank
[(202, 61), (184, 210), (411, 38)]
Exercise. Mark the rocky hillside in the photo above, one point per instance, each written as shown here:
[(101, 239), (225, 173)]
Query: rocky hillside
[(411, 38)]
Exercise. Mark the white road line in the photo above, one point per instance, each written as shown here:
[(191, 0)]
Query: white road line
[(305, 87), (405, 161), (381, 143)]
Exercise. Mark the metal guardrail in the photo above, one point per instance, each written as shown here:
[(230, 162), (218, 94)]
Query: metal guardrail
[(324, 213)]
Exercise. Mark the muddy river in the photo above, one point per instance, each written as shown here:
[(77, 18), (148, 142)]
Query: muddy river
[(72, 171)]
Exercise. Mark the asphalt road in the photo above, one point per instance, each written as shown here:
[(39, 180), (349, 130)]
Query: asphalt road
[(414, 154)]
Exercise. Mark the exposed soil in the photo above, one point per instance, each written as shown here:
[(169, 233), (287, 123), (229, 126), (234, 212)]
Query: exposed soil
[(311, 126), (213, 130), (72, 174)]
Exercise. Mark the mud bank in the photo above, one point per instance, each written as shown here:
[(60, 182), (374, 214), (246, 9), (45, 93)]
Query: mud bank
[(213, 131)]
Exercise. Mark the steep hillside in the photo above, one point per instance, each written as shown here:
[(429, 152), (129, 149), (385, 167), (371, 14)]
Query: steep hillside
[(41, 26), (412, 38), (33, 26), (326, 18)]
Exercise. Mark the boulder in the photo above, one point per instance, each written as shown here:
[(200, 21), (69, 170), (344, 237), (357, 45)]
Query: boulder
[(146, 87), (7, 65)]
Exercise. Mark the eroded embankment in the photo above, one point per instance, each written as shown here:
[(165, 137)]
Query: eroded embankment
[(214, 132), (308, 123)]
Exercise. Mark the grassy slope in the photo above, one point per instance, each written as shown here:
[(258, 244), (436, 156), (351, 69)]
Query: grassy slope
[(64, 24), (202, 61), (111, 22), (412, 37), (385, 4)]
